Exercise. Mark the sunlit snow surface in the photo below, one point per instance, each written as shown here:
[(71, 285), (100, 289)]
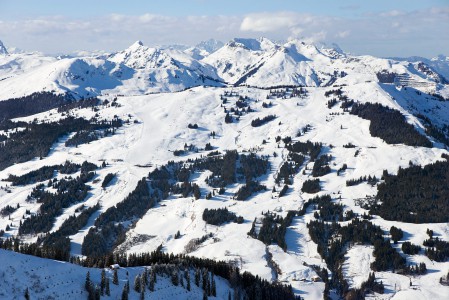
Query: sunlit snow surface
[(160, 127)]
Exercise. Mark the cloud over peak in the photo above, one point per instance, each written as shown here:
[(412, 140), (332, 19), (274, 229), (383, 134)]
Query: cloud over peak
[(266, 22)]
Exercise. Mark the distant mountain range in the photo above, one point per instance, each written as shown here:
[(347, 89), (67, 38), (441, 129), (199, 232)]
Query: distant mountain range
[(250, 62)]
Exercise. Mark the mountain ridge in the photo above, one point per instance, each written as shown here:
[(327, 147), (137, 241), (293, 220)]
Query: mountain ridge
[(254, 62)]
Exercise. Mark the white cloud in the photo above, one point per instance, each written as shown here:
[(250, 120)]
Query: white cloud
[(293, 25), (296, 31), (342, 34), (151, 18), (392, 13), (266, 22), (316, 37), (117, 17)]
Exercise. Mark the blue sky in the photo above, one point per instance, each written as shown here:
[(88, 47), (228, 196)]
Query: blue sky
[(383, 28), (83, 8)]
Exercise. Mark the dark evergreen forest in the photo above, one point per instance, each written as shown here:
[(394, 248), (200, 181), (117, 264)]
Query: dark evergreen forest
[(389, 125), (415, 195)]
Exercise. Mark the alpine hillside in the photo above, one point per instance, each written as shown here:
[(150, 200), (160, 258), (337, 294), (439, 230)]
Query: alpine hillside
[(242, 170)]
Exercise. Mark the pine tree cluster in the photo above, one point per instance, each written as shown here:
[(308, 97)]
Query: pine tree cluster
[(358, 231), (307, 148), (416, 194), (35, 140), (106, 234), (273, 229), (259, 122), (220, 216), (437, 249), (107, 179), (389, 125), (311, 186), (68, 192), (370, 180), (30, 105)]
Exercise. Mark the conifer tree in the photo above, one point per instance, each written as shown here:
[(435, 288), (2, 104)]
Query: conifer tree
[(145, 276), (127, 286), (27, 294), (142, 282), (152, 280), (124, 293), (115, 277), (197, 277), (213, 289), (97, 292), (103, 281), (188, 280), (142, 293), (108, 290), (87, 283), (205, 281), (137, 283), (174, 277), (237, 294)]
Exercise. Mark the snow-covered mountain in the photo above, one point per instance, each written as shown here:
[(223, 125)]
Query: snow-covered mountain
[(439, 65), (79, 77), (157, 71), (259, 62), (137, 56), (239, 57), (204, 48), (247, 155), (284, 65), (3, 50), (211, 45), (136, 70)]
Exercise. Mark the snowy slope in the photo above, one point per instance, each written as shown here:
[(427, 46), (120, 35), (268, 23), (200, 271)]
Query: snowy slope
[(158, 126), (49, 279), (15, 64), (162, 128), (357, 265), (81, 78)]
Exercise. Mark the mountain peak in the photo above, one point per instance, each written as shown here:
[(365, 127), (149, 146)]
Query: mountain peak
[(441, 57), (3, 50), (136, 45), (211, 45), (259, 44), (251, 44)]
